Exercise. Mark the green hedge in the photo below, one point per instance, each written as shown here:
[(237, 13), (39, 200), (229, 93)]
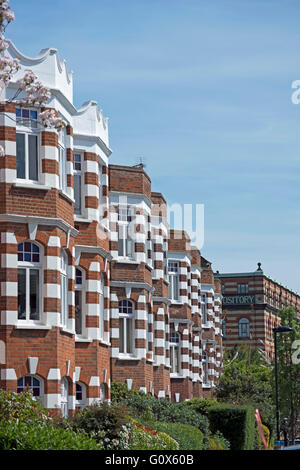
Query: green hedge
[(19, 435), (145, 438), (188, 437), (202, 405), (147, 408), (236, 423)]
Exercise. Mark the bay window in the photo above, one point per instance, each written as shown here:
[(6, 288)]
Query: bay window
[(126, 324), (29, 282)]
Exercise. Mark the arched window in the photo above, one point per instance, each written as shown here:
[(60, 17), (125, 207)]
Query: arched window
[(244, 328), (64, 288), (79, 301), (29, 281), (64, 395), (80, 394), (175, 352), (204, 308), (29, 382), (126, 325), (101, 302)]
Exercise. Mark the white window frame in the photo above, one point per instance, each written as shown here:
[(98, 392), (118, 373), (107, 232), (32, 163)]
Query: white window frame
[(173, 276), (62, 160), (102, 308), (40, 397), (81, 288), (79, 173), (204, 308), (128, 244), (205, 365), (64, 397), (80, 403), (27, 266), (100, 196), (175, 347), (27, 130), (128, 322), (64, 304)]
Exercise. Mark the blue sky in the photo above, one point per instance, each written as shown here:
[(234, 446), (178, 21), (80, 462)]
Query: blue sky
[(201, 90)]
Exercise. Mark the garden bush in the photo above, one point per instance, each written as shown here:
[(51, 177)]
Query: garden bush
[(218, 442), (188, 437), (236, 423), (145, 438), (147, 408), (102, 422), (19, 435), (119, 392), (202, 405), (22, 406)]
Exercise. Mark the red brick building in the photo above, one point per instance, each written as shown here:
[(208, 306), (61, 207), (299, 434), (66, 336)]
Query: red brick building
[(251, 302), (94, 286)]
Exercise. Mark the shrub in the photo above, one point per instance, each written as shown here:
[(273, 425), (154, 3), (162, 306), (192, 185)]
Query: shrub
[(21, 406), (147, 408), (202, 405), (104, 423), (218, 442), (119, 392), (145, 438), (188, 437), (18, 435), (236, 423)]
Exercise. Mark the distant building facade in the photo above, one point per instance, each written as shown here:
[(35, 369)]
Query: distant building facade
[(251, 302)]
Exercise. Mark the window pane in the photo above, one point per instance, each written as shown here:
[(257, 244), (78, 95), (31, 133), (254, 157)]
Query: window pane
[(121, 332), (77, 194), (33, 157), (121, 241), (21, 156), (78, 312), (129, 336), (34, 294), (21, 294)]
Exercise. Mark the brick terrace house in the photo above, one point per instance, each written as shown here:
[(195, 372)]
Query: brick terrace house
[(94, 285), (251, 302)]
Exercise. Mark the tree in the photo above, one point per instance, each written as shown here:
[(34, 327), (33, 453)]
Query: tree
[(247, 380), (289, 370), (30, 92)]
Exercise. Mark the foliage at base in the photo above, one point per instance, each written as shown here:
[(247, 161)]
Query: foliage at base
[(145, 438), (188, 437), (23, 436)]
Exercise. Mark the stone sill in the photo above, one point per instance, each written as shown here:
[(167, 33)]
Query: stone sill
[(33, 326), (30, 185)]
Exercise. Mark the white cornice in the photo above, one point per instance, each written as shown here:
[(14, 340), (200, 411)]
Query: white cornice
[(31, 219), (92, 249)]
